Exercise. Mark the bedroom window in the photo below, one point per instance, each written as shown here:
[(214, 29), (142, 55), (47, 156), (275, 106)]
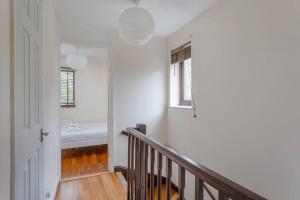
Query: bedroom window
[(67, 87), (181, 77)]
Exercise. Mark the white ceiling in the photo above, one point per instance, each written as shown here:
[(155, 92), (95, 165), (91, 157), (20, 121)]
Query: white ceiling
[(169, 15)]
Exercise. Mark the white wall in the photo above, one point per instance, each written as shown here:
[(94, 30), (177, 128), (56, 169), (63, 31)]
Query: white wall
[(91, 95), (139, 90), (51, 112), (245, 65), (4, 100)]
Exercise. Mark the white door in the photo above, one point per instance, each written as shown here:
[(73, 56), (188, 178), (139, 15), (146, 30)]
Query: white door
[(28, 106)]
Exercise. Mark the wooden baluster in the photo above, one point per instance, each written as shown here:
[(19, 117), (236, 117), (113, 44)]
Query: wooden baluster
[(146, 170), (137, 169), (152, 161), (169, 175), (129, 168), (159, 167), (142, 171), (222, 196), (181, 182), (132, 172), (198, 189)]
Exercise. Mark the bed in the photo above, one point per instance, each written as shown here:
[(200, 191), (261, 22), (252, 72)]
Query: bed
[(83, 134)]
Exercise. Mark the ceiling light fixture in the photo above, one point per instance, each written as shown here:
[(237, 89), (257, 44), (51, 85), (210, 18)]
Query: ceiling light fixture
[(136, 25)]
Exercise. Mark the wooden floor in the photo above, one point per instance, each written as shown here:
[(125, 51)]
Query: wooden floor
[(106, 186), (83, 161)]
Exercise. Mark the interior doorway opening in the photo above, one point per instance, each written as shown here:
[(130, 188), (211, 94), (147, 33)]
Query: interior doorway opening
[(84, 110)]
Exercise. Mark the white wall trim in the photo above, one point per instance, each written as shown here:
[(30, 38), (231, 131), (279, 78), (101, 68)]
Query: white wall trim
[(58, 105), (110, 113), (110, 108), (12, 100)]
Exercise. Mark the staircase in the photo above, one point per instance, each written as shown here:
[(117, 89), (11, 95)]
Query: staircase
[(146, 180), (143, 178), (174, 194)]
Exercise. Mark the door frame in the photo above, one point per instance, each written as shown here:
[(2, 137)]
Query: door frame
[(110, 108)]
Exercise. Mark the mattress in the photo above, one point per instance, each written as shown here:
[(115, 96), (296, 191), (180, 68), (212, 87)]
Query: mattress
[(84, 134)]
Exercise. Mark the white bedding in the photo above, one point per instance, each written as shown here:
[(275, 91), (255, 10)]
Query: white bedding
[(85, 134)]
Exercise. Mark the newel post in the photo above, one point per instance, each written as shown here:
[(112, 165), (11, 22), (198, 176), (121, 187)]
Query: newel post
[(141, 128)]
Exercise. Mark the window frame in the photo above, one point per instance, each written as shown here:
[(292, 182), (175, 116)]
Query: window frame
[(182, 101), (177, 81), (68, 104)]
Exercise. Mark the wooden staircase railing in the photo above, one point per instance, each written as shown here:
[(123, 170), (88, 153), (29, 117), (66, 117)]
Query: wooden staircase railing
[(145, 153)]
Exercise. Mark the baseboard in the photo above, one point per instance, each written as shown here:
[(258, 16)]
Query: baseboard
[(54, 188)]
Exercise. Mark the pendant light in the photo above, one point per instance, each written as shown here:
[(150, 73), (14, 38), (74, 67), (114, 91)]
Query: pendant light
[(136, 25)]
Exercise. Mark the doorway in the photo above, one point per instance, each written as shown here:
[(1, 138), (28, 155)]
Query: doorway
[(84, 110)]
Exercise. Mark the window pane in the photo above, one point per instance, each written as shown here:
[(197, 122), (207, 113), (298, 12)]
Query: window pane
[(187, 80), (67, 87), (70, 87), (175, 84), (63, 87)]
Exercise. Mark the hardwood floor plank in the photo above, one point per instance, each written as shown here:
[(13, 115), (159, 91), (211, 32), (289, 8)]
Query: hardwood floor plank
[(81, 190), (97, 188), (84, 161), (106, 186)]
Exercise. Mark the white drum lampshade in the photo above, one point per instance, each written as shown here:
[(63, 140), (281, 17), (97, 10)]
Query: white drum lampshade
[(136, 26), (76, 60)]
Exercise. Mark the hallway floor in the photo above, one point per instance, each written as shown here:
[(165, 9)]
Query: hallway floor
[(105, 186), (77, 162)]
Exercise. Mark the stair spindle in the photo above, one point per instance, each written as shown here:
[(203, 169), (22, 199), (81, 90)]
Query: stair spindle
[(129, 168), (137, 169), (181, 182), (159, 167), (132, 170), (169, 174), (146, 171), (152, 158), (198, 189), (142, 170)]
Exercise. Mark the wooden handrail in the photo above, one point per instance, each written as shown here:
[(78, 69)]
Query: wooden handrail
[(227, 188)]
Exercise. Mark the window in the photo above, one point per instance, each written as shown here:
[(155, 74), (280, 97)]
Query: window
[(185, 82), (67, 87), (181, 76)]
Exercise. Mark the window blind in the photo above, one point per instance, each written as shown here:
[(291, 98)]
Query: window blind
[(181, 53)]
